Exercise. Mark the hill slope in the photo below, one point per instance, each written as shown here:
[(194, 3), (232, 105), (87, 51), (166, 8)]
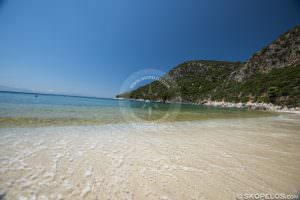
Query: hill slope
[(271, 75)]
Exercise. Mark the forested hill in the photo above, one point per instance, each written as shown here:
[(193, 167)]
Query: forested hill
[(270, 75)]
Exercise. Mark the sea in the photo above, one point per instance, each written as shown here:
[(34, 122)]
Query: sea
[(34, 110)]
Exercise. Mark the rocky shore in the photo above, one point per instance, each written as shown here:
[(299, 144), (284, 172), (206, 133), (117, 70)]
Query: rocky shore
[(252, 105)]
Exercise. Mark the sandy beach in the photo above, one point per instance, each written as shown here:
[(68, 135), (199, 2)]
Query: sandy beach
[(214, 159), (149, 100)]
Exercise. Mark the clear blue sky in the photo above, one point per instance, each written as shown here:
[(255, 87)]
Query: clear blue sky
[(90, 47)]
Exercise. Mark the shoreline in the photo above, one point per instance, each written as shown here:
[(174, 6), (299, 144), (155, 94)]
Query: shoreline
[(253, 106), (223, 104)]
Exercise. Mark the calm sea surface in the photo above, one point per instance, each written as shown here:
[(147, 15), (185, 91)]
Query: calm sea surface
[(24, 109)]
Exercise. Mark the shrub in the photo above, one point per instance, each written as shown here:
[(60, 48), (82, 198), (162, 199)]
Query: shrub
[(273, 91)]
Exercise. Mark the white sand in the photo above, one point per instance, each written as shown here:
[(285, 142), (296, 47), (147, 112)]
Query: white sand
[(196, 160)]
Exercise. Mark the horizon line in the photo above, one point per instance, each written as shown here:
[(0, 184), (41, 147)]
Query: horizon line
[(57, 94)]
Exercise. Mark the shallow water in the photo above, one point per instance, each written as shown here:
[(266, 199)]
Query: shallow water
[(214, 159), (29, 110)]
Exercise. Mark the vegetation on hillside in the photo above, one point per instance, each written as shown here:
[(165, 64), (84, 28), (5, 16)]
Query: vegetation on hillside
[(271, 75), (281, 86)]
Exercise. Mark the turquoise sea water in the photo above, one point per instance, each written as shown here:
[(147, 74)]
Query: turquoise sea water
[(25, 109)]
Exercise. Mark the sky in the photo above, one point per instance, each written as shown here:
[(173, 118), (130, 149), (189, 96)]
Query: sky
[(91, 47)]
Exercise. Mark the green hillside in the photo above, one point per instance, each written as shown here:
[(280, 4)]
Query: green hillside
[(270, 76)]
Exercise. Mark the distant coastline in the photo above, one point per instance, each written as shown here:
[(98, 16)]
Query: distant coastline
[(53, 94)]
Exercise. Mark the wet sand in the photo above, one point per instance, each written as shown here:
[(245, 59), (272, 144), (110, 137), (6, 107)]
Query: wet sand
[(214, 159)]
